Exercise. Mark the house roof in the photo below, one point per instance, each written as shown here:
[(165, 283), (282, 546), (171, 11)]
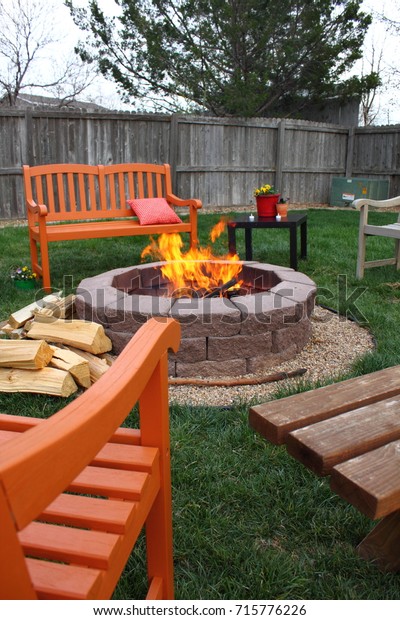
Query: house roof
[(25, 101)]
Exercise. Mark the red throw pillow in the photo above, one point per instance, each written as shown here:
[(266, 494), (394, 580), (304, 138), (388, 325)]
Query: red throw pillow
[(154, 211)]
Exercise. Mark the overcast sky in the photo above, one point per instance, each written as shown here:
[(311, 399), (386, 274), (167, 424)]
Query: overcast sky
[(388, 104)]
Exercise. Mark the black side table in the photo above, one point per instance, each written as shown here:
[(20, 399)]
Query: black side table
[(292, 221)]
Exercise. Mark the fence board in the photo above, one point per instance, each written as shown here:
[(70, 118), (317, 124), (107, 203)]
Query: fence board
[(219, 160)]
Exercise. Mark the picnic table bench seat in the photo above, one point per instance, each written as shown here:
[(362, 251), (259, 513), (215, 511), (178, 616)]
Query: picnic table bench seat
[(76, 489), (349, 431), (79, 201)]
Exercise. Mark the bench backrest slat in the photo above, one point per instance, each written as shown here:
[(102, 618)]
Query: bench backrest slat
[(140, 186), (50, 192)]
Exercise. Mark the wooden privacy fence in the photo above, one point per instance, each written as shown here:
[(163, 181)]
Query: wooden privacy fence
[(219, 160)]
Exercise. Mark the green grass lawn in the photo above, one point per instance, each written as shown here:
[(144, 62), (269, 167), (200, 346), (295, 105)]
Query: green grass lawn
[(249, 521)]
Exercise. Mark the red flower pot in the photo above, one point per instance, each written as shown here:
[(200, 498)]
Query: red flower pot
[(266, 205)]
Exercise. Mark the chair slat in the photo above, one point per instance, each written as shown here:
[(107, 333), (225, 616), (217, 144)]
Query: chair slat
[(71, 545), (90, 512), (63, 581), (136, 458), (110, 482)]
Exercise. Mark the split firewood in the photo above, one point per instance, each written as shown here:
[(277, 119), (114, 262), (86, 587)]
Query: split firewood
[(20, 317), (11, 332), (25, 354), (16, 334), (110, 359), (97, 365), (43, 381), (276, 376), (84, 335), (59, 309), (65, 359)]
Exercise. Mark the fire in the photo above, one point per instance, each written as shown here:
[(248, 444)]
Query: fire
[(197, 269)]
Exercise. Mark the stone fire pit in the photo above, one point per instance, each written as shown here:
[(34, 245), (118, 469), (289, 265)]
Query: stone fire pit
[(267, 323)]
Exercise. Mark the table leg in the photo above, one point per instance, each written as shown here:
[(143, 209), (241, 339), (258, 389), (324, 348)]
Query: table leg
[(232, 239), (293, 247), (303, 240), (249, 245)]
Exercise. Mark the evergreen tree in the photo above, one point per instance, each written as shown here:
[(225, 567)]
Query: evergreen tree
[(228, 57)]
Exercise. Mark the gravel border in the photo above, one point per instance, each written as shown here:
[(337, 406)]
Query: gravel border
[(334, 345)]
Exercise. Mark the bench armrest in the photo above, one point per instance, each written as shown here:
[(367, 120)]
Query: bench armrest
[(34, 208), (382, 204), (181, 202)]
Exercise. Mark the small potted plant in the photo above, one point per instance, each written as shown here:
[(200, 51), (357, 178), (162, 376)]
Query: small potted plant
[(266, 199), (24, 277), (282, 207)]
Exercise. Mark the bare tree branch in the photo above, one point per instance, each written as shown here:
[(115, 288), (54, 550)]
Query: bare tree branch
[(26, 34)]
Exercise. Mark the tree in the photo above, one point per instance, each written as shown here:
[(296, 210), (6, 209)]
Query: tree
[(26, 30), (228, 57), (369, 108)]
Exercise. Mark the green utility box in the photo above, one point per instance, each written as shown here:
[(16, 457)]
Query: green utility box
[(344, 191)]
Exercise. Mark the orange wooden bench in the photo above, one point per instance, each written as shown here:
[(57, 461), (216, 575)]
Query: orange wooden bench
[(77, 489), (79, 201), (351, 432)]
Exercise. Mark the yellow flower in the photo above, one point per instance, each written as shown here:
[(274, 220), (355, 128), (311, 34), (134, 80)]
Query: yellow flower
[(265, 190)]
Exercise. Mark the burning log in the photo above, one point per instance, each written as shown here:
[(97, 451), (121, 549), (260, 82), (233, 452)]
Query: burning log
[(216, 292)]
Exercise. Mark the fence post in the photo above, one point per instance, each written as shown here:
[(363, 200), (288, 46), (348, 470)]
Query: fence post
[(349, 153), (280, 154), (28, 138), (173, 150)]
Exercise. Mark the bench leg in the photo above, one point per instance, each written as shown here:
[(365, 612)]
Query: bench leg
[(34, 256), (194, 241), (397, 253), (361, 256), (44, 254), (382, 545)]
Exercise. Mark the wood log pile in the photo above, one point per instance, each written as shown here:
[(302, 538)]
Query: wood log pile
[(44, 349)]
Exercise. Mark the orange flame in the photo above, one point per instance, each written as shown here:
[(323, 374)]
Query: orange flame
[(217, 230), (197, 269)]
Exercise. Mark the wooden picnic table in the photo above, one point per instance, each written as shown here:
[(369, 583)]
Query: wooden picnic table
[(349, 431)]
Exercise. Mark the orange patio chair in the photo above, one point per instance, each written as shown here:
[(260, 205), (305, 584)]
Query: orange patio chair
[(77, 489)]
